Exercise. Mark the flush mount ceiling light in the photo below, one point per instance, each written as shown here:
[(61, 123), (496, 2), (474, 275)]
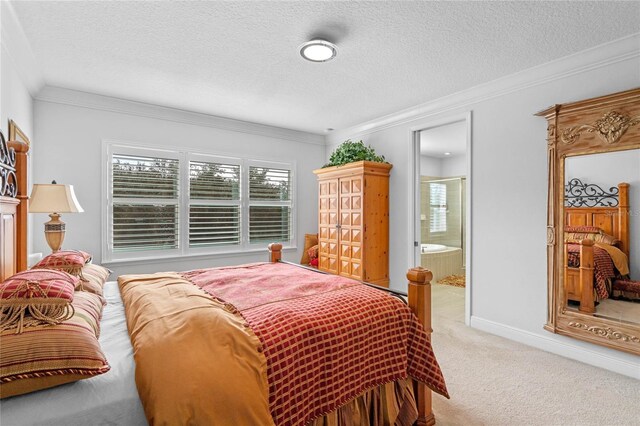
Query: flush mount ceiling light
[(318, 50), (447, 153)]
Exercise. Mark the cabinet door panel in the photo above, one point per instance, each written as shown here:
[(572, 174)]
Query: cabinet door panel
[(356, 185), (324, 232), (356, 202), (345, 203), (333, 265), (356, 270), (345, 268), (356, 219), (356, 253)]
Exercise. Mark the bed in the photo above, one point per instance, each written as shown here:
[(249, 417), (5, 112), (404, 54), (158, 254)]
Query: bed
[(121, 396), (589, 269)]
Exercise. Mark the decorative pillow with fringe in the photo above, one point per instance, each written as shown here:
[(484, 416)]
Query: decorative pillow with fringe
[(45, 356), (36, 297), (71, 261), (93, 277), (579, 233)]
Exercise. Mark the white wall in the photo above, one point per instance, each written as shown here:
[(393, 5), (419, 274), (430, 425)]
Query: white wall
[(19, 79), (16, 101), (607, 170), (69, 150), (509, 186), (454, 166), (430, 166)]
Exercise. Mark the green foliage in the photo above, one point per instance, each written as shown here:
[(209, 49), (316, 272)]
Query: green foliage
[(350, 152)]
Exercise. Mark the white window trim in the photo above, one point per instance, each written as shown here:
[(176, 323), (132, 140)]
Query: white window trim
[(184, 155)]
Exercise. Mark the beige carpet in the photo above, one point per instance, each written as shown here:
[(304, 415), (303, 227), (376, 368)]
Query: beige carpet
[(495, 381)]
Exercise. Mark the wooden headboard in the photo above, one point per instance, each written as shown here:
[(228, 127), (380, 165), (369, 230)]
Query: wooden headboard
[(14, 202), (590, 205)]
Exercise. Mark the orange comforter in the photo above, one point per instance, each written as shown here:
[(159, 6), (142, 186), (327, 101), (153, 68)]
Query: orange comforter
[(196, 362)]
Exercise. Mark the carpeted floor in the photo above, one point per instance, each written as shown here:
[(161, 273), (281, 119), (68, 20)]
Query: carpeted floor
[(495, 381)]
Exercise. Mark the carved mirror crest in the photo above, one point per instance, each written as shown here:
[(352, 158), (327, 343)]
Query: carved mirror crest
[(593, 220)]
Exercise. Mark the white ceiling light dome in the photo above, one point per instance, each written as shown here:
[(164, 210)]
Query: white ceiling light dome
[(318, 50)]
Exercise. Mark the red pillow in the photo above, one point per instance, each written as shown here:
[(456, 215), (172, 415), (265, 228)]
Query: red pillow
[(36, 297), (70, 261), (313, 252)]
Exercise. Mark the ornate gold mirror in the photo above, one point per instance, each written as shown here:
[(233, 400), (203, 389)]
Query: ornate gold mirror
[(593, 220)]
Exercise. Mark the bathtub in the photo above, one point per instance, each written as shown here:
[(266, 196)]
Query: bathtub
[(441, 260), (432, 248)]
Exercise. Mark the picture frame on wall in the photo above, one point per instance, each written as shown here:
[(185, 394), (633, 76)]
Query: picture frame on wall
[(16, 134)]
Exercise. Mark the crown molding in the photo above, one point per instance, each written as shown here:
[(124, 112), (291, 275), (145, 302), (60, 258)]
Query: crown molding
[(81, 99), (14, 42), (623, 49)]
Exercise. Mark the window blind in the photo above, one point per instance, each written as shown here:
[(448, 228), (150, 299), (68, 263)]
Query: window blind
[(214, 205), (269, 204), (145, 203), (438, 207), (165, 203), (269, 184)]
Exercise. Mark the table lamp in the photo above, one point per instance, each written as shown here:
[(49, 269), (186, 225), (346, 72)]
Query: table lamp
[(54, 199)]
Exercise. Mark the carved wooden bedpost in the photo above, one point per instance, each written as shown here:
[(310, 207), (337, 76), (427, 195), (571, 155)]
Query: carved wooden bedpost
[(587, 304), (420, 303), (275, 252), (21, 149), (623, 217)]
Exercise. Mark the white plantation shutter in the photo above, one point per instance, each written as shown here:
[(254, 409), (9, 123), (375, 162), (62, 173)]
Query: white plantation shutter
[(167, 203), (270, 204), (214, 204), (438, 207), (145, 193)]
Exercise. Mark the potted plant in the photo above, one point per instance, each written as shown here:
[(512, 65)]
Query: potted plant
[(350, 152)]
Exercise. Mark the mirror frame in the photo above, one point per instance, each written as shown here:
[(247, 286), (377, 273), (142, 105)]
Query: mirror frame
[(604, 124)]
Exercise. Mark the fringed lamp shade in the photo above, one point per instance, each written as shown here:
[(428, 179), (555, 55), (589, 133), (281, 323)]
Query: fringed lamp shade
[(54, 199)]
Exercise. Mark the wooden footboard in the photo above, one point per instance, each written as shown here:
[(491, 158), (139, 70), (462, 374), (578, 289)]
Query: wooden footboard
[(578, 282), (419, 296)]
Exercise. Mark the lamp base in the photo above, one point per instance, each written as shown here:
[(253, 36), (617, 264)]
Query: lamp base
[(54, 231)]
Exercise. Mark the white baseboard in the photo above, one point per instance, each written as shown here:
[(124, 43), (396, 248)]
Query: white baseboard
[(554, 344)]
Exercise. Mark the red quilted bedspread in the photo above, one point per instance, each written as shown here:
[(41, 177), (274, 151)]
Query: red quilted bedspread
[(326, 338), (604, 270)]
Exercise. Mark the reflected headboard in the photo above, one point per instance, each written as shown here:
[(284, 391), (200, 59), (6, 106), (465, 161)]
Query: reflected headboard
[(590, 205), (13, 206)]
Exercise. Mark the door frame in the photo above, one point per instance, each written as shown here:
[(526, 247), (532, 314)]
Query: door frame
[(413, 216)]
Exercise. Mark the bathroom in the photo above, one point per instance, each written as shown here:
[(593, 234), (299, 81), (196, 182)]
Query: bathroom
[(443, 165)]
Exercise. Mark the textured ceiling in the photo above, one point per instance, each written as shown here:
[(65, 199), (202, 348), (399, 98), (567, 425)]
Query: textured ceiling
[(451, 138), (240, 59)]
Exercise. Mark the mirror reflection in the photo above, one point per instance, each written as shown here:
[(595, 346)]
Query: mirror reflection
[(602, 235)]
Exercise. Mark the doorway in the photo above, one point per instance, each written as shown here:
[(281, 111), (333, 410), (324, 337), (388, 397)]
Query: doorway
[(442, 200)]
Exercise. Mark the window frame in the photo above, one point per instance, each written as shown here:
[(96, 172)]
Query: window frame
[(434, 207), (269, 203), (185, 156)]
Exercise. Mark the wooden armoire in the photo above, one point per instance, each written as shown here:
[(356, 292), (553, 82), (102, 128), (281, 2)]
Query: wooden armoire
[(353, 221)]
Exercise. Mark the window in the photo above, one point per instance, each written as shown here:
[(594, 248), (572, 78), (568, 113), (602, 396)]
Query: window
[(145, 203), (164, 203), (214, 204), (437, 207), (269, 204)]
